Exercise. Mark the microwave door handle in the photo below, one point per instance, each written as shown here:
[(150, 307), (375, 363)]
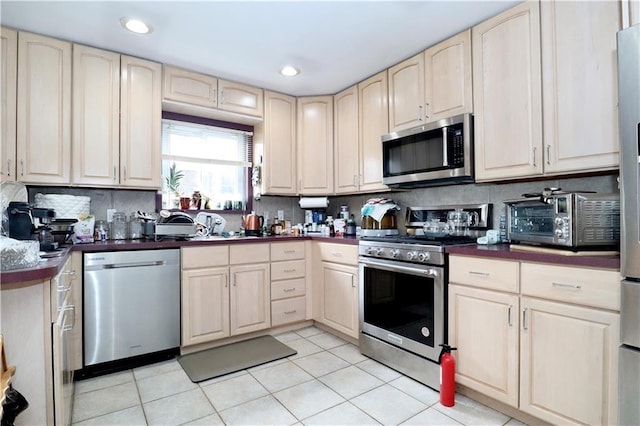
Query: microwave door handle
[(445, 154)]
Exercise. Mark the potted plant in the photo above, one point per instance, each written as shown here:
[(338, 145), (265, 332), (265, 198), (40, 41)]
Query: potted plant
[(173, 185)]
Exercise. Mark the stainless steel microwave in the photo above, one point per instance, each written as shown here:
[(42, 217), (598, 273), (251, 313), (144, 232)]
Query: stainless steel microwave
[(569, 219), (432, 154)]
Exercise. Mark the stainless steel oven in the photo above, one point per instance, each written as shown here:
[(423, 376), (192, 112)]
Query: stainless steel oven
[(402, 307)]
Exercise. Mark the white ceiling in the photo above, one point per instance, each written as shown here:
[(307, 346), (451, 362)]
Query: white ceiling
[(334, 43)]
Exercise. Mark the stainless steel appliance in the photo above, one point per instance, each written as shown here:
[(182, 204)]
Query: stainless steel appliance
[(432, 154), (629, 120), (402, 297), (131, 304), (565, 219)]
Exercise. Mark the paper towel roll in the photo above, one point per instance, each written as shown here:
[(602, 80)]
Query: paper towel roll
[(314, 202)]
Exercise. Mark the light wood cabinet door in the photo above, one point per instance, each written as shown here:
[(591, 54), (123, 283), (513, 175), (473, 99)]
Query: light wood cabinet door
[(634, 11), (236, 97), (373, 122), (205, 305), (406, 93), (579, 85), (96, 116), (250, 298), (315, 145), (483, 325), (189, 87), (140, 123), (277, 136), (447, 78), (346, 152), (507, 94), (8, 86), (44, 110), (569, 363), (339, 298)]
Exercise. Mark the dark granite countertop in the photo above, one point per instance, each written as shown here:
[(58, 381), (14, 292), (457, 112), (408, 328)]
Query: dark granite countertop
[(48, 268), (556, 256)]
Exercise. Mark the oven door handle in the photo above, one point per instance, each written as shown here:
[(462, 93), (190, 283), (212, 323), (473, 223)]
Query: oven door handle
[(431, 272)]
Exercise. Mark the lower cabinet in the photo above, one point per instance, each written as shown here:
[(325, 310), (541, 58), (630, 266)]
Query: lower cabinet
[(336, 278), (219, 300), (548, 345), (288, 283)]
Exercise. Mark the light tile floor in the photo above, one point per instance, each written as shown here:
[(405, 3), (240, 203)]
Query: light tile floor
[(328, 382)]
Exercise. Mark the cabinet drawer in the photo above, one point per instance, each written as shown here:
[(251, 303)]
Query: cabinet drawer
[(289, 310), (287, 288), (590, 287), (287, 251), (486, 273), (338, 253), (248, 253), (204, 257), (287, 270)]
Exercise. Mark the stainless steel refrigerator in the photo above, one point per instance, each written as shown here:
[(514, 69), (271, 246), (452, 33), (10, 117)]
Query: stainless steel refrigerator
[(629, 119)]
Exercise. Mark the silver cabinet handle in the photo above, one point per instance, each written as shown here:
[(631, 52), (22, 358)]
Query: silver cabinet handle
[(289, 290), (524, 319), (426, 110), (509, 316), (535, 152), (445, 154), (569, 286), (9, 167), (221, 97), (290, 312), (482, 274), (419, 112), (21, 167), (124, 169), (70, 308), (288, 271), (115, 176), (336, 254), (548, 154)]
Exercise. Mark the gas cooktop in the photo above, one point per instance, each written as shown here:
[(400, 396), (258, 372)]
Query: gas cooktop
[(445, 240)]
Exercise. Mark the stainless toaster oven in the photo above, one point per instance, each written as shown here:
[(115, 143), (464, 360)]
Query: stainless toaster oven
[(565, 219)]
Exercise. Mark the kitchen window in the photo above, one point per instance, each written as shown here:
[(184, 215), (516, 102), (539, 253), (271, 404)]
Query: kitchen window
[(206, 158)]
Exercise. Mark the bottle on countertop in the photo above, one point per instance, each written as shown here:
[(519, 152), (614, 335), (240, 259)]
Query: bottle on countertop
[(332, 229)]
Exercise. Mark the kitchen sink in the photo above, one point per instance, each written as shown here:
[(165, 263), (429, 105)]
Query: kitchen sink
[(221, 237)]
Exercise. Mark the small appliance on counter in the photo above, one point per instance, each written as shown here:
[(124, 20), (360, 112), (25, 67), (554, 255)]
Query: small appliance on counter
[(253, 224), (568, 219), (379, 218), (22, 224), (471, 220)]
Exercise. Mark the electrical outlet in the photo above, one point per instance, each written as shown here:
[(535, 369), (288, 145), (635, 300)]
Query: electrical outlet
[(280, 214)]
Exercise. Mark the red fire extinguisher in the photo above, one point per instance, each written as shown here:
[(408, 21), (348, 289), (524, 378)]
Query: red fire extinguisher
[(447, 376)]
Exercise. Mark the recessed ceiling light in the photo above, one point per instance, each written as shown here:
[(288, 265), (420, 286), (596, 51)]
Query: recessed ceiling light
[(136, 26), (289, 71)]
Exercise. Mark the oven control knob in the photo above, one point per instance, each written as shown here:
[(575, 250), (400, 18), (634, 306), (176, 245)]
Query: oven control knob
[(423, 257), (370, 250), (380, 251), (559, 233), (395, 253), (559, 221), (411, 255)]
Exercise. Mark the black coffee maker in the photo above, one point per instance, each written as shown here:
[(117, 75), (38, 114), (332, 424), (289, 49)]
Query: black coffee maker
[(21, 215)]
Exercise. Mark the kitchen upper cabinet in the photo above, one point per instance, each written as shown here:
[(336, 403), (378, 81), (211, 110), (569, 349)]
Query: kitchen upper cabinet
[(44, 110), (201, 90), (507, 94), (406, 93), (579, 85), (189, 87), (8, 86), (240, 98), (373, 122), (346, 152), (96, 116), (140, 123), (250, 298), (276, 138), (634, 11), (447, 78), (315, 145)]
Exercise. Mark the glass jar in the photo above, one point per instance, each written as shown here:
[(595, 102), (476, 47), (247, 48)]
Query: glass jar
[(119, 226), (101, 231), (135, 227)]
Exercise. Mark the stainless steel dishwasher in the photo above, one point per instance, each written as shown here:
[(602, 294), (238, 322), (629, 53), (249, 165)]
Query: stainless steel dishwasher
[(131, 304)]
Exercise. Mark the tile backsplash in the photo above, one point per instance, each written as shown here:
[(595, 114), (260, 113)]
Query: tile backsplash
[(129, 201)]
